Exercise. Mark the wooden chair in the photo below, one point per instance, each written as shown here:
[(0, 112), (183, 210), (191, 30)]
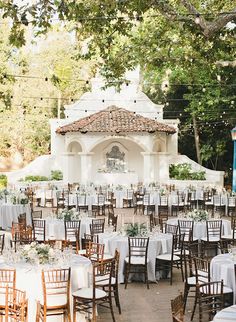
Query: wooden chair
[(177, 205), (86, 300), (95, 251), (211, 299), (39, 228), (7, 278), (170, 229), (186, 227), (166, 262), (148, 207), (49, 198), (189, 272), (177, 309), (56, 294), (82, 202), (203, 275), (138, 258), (36, 214), (2, 243), (212, 240), (72, 233), (16, 305), (21, 235), (97, 226), (219, 206), (22, 219), (128, 199), (112, 221), (99, 207)]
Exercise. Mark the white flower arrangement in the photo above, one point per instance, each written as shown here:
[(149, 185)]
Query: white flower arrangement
[(19, 198), (198, 215), (38, 253), (69, 215)]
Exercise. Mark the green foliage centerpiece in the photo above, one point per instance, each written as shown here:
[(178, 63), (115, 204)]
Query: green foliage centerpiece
[(136, 229), (198, 215), (38, 253), (68, 215)]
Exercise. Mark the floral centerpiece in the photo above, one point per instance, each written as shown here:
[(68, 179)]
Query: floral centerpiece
[(68, 215), (198, 215), (19, 198), (38, 253), (136, 229)]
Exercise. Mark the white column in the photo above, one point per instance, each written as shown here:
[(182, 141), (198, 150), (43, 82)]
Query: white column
[(68, 167), (163, 167), (86, 167), (149, 167)]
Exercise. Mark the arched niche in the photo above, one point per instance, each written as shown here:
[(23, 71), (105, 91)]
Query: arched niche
[(74, 147), (159, 146)]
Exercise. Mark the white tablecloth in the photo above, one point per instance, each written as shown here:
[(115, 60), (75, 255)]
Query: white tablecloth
[(199, 228), (55, 227), (28, 278), (158, 244), (222, 267), (10, 213), (226, 315)]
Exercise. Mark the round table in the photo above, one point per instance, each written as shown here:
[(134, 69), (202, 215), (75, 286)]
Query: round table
[(55, 227), (199, 228), (158, 244), (28, 278), (9, 213), (226, 315), (223, 267)]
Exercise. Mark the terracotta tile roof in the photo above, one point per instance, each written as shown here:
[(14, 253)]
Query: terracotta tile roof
[(115, 120)]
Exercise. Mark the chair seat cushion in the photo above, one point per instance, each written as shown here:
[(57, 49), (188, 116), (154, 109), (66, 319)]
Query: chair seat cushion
[(136, 260), (191, 280), (167, 257), (227, 236), (104, 280), (56, 300), (211, 239), (87, 293)]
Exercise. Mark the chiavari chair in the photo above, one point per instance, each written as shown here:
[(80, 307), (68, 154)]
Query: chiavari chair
[(56, 294), (97, 226), (87, 300), (16, 305), (7, 278), (72, 233), (39, 228), (138, 258)]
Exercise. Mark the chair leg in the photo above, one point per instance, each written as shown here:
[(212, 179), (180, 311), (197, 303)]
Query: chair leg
[(117, 299), (74, 310), (186, 290), (194, 306), (111, 308), (126, 275)]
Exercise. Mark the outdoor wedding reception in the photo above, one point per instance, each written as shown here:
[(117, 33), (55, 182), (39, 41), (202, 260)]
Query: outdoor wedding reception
[(117, 161)]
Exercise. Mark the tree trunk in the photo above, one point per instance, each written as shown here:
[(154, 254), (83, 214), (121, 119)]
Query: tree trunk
[(197, 142), (59, 105)]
